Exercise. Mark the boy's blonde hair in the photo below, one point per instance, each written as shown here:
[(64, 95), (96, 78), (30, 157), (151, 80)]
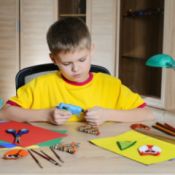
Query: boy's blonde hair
[(67, 35)]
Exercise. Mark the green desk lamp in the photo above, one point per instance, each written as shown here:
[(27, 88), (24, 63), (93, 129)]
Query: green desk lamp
[(161, 60)]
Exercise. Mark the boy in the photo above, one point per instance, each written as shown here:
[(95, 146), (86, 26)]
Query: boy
[(102, 96)]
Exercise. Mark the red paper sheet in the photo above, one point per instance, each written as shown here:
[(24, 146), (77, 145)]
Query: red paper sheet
[(36, 134)]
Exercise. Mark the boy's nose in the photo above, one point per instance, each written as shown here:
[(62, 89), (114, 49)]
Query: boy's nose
[(74, 68)]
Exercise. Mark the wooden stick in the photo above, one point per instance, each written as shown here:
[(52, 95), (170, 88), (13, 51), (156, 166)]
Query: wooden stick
[(35, 159), (155, 135), (169, 126), (49, 157), (58, 157), (163, 129), (45, 157)]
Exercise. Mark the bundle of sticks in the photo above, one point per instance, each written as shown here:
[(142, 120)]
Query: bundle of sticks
[(164, 135), (166, 128)]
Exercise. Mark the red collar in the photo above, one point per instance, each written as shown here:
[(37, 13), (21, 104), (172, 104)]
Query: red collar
[(79, 83)]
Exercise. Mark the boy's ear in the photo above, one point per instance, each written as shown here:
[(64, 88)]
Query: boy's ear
[(52, 57)]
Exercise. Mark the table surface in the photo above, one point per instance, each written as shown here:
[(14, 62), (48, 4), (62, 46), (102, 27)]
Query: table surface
[(89, 159)]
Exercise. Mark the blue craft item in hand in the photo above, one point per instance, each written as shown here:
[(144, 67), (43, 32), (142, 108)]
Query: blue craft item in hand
[(71, 108)]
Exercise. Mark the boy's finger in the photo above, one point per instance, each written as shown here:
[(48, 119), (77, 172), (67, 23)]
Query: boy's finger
[(91, 112), (63, 112), (91, 117), (93, 123), (62, 117), (61, 120)]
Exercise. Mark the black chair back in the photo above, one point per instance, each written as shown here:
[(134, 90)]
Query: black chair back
[(26, 74)]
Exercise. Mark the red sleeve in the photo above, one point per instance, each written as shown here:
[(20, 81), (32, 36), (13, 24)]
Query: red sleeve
[(142, 105), (9, 102)]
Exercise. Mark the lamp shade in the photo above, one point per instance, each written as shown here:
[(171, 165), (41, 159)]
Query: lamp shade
[(161, 60)]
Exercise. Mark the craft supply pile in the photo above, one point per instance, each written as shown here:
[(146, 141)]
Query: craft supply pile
[(141, 143), (21, 140)]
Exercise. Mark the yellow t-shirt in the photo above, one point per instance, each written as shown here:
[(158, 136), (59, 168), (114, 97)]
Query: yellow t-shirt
[(47, 91)]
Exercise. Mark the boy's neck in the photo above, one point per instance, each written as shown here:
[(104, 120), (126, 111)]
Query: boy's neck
[(79, 83)]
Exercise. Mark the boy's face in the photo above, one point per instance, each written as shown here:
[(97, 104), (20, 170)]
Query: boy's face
[(74, 66)]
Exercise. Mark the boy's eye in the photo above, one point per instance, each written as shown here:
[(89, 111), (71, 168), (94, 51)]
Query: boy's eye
[(82, 59), (66, 64)]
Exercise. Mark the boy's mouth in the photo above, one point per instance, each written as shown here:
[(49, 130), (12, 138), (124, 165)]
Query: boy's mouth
[(77, 75)]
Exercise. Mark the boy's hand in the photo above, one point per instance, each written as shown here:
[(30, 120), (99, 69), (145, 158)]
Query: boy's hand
[(60, 116), (96, 115)]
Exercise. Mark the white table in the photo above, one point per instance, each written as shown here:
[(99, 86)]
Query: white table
[(89, 159)]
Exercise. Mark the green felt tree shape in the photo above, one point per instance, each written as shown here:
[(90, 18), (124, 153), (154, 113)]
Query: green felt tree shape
[(125, 144)]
